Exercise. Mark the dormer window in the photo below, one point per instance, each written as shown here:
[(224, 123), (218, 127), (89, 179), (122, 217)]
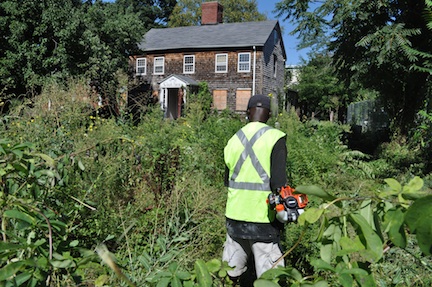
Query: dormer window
[(244, 62)]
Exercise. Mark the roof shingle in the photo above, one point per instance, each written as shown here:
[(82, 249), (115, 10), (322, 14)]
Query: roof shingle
[(208, 36)]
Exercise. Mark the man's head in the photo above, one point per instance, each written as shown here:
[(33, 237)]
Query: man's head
[(259, 108)]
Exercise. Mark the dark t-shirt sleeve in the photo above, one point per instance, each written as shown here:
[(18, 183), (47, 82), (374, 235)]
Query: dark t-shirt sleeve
[(278, 164)]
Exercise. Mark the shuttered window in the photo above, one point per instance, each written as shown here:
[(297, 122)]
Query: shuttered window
[(242, 99), (220, 99)]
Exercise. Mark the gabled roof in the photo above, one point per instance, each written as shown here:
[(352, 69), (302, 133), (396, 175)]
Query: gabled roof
[(176, 81), (228, 35)]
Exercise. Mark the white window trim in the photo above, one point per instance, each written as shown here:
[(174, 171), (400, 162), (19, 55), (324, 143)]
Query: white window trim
[(189, 64), (249, 63), (141, 66), (163, 65), (225, 64)]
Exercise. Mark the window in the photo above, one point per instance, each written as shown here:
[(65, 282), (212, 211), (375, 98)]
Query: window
[(274, 66), (221, 63), (141, 64), (220, 99), (159, 63), (244, 62), (189, 64), (242, 99)]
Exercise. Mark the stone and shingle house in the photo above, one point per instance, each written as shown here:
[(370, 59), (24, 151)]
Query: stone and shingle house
[(237, 60)]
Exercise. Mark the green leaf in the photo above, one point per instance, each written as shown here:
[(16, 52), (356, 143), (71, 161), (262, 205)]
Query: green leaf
[(326, 252), (322, 265), (365, 280), (373, 241), (74, 243), (101, 280), (419, 220), (274, 273), (20, 279), (10, 246), (394, 225), (166, 257), (414, 185), (214, 265), (10, 270), (323, 226), (315, 191), (203, 276), (349, 246), (80, 165), (49, 160), (366, 211), (175, 282), (321, 284), (310, 215), (414, 195), (384, 194), (63, 263), (173, 267), (393, 184), (346, 280), (163, 282), (222, 273), (355, 271), (145, 260), (13, 213), (264, 283), (183, 275), (296, 274)]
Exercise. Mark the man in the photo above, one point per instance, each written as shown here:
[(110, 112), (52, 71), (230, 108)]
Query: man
[(255, 159)]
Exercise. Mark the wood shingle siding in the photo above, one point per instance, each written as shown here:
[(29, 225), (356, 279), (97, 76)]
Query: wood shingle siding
[(260, 41)]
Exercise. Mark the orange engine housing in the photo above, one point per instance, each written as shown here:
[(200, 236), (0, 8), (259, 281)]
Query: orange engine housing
[(287, 191)]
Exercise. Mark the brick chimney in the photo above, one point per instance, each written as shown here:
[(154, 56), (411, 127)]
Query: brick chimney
[(212, 13)]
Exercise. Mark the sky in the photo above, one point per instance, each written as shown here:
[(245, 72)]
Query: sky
[(293, 55)]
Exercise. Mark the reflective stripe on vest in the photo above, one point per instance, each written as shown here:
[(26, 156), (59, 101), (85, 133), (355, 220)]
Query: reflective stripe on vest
[(248, 151)]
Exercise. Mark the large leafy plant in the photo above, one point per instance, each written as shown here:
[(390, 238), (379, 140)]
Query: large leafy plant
[(35, 249)]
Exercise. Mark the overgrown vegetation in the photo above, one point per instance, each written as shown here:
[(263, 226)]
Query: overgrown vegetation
[(75, 185)]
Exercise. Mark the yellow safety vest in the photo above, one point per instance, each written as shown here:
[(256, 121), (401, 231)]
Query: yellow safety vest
[(248, 157)]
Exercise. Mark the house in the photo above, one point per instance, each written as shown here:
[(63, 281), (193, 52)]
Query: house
[(237, 60)]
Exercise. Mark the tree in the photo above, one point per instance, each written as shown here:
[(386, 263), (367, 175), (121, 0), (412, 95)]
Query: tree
[(60, 39), (188, 12), (368, 41), (320, 91), (153, 13)]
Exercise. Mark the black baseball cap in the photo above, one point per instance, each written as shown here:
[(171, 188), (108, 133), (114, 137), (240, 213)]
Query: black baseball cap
[(259, 101)]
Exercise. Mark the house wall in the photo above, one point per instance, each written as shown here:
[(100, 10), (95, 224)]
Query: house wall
[(273, 77), (234, 83)]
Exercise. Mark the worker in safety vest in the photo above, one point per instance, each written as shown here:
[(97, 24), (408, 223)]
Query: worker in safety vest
[(255, 159)]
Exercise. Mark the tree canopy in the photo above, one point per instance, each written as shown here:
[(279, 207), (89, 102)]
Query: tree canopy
[(64, 38), (369, 41), (188, 12)]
